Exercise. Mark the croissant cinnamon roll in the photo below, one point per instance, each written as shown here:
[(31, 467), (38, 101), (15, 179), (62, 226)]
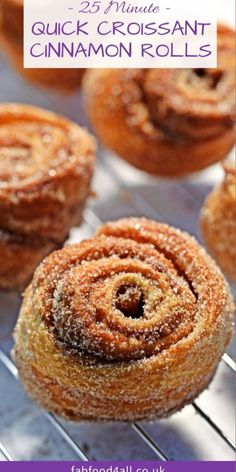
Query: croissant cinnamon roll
[(168, 122), (128, 325), (11, 37), (218, 221), (46, 165)]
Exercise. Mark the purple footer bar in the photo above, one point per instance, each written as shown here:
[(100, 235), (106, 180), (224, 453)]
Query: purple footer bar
[(117, 466)]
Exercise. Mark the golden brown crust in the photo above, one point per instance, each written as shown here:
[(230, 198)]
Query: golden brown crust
[(128, 325), (166, 121), (46, 167), (218, 222), (11, 37), (19, 256)]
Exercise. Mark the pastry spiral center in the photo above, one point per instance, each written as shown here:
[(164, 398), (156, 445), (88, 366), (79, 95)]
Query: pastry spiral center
[(31, 150), (210, 77), (13, 160), (120, 307), (130, 301)]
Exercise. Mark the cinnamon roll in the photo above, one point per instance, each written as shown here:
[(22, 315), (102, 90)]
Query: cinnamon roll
[(218, 221), (46, 165), (128, 325), (11, 37), (168, 122)]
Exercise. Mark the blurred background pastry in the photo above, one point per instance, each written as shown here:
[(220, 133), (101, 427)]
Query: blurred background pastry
[(218, 221), (168, 122), (19, 255), (11, 39), (46, 166)]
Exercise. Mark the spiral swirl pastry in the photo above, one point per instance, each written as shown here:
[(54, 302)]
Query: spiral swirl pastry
[(166, 121), (218, 221), (11, 37), (130, 324), (46, 165)]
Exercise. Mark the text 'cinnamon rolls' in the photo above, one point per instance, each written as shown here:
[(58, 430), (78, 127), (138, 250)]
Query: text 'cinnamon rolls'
[(46, 165), (218, 221), (167, 122), (130, 324), (11, 38)]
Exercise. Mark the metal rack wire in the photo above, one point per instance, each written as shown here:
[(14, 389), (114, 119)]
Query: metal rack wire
[(92, 220), (5, 453)]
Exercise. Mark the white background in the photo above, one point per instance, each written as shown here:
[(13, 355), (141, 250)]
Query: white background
[(49, 11)]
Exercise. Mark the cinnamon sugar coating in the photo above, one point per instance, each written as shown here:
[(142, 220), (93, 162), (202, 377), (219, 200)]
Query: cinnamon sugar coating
[(218, 222), (46, 165), (11, 40), (128, 325), (167, 122)]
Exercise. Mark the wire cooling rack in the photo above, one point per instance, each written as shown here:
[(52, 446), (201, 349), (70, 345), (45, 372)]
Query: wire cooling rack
[(203, 430), (119, 194)]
